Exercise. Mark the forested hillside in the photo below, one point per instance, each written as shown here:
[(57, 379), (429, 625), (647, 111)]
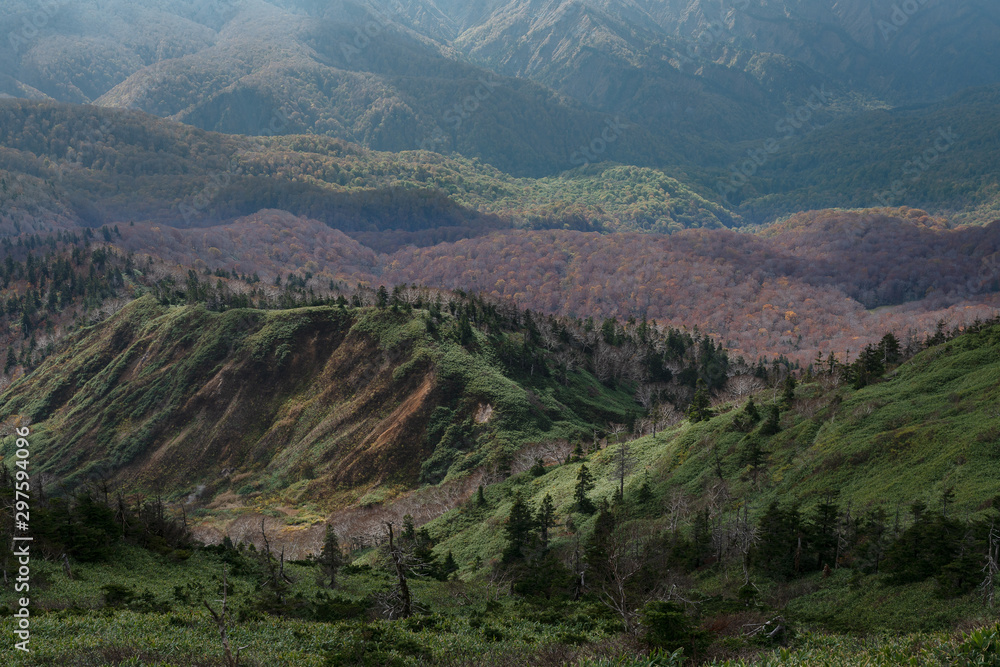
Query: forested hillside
[(857, 498), (447, 385), (537, 88), (99, 166)]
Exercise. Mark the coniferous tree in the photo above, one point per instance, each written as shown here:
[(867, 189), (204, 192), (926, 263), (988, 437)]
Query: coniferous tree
[(450, 566), (645, 491), (702, 539), (465, 335), (788, 390), (891, 353), (409, 532), (545, 519), (753, 455), (584, 484), (772, 424), (747, 417), (330, 558), (779, 551), (538, 469), (699, 410), (874, 540), (519, 530), (822, 532)]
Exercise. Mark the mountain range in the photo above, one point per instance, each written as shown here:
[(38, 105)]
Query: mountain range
[(536, 88), (561, 332)]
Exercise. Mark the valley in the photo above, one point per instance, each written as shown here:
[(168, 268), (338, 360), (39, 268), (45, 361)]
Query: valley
[(552, 332)]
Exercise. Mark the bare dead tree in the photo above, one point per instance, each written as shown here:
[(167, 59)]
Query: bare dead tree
[(398, 603), (273, 575), (667, 415), (498, 583), (626, 553), (744, 385), (616, 430), (992, 567), (623, 463), (579, 567), (718, 497), (646, 395), (745, 537), (678, 506), (222, 621), (276, 571)]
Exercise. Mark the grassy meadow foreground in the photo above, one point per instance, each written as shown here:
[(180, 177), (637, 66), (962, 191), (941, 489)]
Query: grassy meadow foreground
[(105, 616)]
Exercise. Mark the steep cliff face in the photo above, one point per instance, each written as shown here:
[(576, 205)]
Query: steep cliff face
[(308, 405)]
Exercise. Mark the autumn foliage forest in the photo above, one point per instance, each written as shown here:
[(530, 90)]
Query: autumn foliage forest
[(817, 283), (602, 241)]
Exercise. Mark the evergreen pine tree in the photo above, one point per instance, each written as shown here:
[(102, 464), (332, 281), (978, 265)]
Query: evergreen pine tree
[(773, 423), (780, 546), (747, 417), (520, 524), (701, 538), (753, 455), (788, 390), (545, 519), (889, 345), (584, 483), (409, 533), (450, 566), (330, 558), (465, 335), (823, 533), (645, 491), (699, 409), (538, 469)]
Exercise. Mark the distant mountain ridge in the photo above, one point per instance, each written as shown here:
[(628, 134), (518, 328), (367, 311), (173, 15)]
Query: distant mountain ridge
[(691, 79)]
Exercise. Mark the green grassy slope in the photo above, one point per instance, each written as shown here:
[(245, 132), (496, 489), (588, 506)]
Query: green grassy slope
[(317, 403), (932, 424)]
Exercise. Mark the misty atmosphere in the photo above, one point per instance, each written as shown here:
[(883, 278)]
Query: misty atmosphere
[(597, 333)]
